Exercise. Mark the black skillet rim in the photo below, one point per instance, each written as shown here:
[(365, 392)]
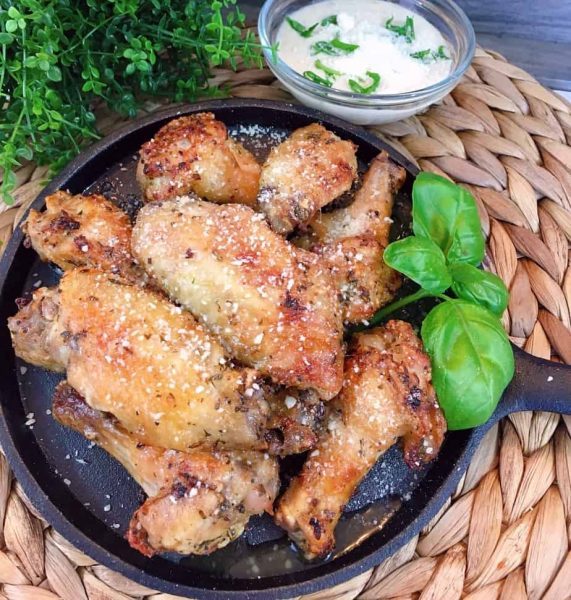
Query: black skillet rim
[(282, 586)]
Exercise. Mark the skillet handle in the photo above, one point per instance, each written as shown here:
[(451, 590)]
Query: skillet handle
[(537, 385)]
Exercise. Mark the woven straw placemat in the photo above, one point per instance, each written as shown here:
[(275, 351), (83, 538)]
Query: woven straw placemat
[(506, 532)]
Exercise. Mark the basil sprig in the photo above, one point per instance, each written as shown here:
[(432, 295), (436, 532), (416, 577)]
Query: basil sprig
[(359, 86), (333, 48), (405, 30), (472, 359)]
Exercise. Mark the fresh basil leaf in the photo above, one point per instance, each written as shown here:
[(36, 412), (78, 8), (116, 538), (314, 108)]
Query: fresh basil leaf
[(300, 28), (472, 361), (317, 78), (333, 48), (327, 70), (479, 287), (359, 86), (447, 214), (330, 20), (405, 30), (421, 260)]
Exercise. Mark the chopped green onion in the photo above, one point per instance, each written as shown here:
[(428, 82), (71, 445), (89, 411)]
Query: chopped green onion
[(327, 70), (334, 48), (358, 86), (421, 54), (406, 30), (330, 20), (317, 79), (301, 29), (440, 53)]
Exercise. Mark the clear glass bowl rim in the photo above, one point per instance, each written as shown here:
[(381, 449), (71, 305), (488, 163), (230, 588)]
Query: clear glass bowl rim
[(346, 97)]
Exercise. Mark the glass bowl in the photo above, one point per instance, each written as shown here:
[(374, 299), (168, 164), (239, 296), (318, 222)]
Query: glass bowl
[(445, 15)]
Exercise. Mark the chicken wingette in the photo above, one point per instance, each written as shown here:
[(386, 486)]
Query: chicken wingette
[(195, 154), (130, 352), (199, 501), (272, 305), (83, 231), (387, 394), (351, 240), (308, 170)]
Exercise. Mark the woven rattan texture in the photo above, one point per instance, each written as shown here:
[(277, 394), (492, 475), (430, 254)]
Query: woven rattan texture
[(506, 533)]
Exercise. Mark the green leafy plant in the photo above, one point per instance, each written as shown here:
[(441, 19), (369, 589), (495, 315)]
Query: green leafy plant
[(472, 359), (405, 30), (59, 58)]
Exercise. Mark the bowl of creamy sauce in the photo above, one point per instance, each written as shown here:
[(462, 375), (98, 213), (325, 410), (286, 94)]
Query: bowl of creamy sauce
[(368, 61)]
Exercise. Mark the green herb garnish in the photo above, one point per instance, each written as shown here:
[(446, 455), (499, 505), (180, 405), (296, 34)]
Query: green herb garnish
[(359, 86), (334, 48), (330, 20), (59, 59), (472, 359), (317, 78), (421, 54), (406, 30), (440, 54), (327, 70), (301, 29)]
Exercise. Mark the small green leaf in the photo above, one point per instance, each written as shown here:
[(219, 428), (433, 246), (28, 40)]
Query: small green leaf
[(301, 29), (421, 260), (330, 20), (421, 54), (11, 26), (361, 87), (440, 54), (333, 48), (472, 361), (327, 70), (405, 30), (6, 38), (479, 287), (447, 214), (317, 78)]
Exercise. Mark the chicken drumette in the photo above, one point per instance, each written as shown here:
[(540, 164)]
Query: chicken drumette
[(387, 394), (130, 352), (198, 501), (351, 241), (195, 154), (304, 173), (272, 305)]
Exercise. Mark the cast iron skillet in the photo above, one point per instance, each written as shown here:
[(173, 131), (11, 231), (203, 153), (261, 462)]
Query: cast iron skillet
[(89, 498)]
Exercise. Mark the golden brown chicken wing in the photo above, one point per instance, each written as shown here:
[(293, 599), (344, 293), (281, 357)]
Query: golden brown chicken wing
[(130, 352), (351, 240), (195, 154), (198, 501), (273, 306), (305, 172), (387, 394), (83, 231)]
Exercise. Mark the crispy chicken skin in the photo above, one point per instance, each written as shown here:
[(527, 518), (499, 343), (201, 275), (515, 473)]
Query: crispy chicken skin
[(351, 240), (83, 231), (387, 394), (272, 305), (198, 501), (132, 353), (195, 154), (304, 173)]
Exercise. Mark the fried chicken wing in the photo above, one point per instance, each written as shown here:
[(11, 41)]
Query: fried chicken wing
[(351, 241), (273, 306), (198, 501), (132, 353), (387, 394), (304, 173), (83, 231), (195, 154)]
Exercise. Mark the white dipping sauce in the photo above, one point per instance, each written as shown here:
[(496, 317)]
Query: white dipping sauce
[(380, 50)]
